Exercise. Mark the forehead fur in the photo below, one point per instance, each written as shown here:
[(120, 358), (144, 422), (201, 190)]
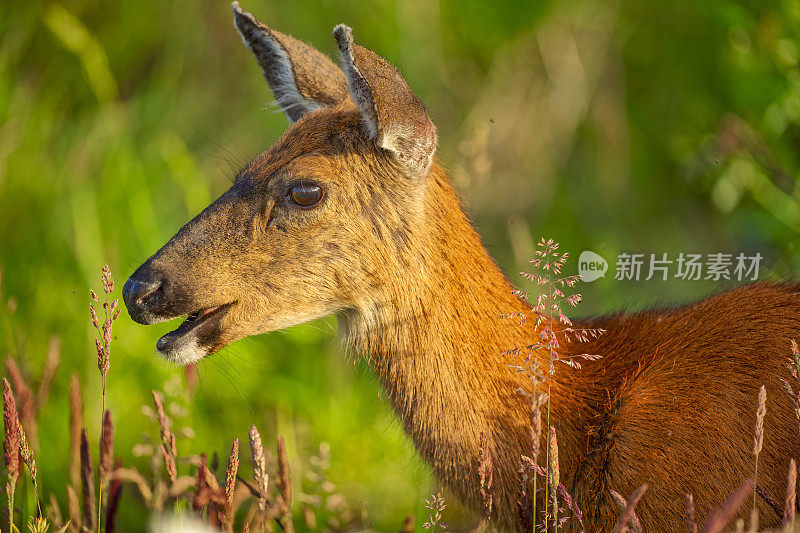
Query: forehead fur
[(325, 132)]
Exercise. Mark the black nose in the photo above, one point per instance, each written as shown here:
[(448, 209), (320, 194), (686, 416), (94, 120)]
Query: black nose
[(142, 293)]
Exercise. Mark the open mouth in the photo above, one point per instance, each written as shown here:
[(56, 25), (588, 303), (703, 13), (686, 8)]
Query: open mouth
[(202, 325)]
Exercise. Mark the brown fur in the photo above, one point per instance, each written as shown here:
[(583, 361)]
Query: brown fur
[(671, 403)]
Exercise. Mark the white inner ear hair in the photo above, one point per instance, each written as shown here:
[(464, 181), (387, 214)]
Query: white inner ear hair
[(284, 87), (277, 67), (360, 91)]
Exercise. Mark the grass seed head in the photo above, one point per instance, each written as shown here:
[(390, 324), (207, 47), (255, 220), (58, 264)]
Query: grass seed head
[(552, 461), (230, 473), (27, 454), (259, 466), (108, 280), (758, 441), (627, 519), (11, 423)]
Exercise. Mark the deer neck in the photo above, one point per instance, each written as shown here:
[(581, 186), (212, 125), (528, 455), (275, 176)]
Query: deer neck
[(436, 338)]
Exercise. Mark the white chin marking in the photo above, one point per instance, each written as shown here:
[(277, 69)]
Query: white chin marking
[(188, 352)]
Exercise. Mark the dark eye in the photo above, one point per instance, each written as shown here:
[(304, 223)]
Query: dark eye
[(305, 195)]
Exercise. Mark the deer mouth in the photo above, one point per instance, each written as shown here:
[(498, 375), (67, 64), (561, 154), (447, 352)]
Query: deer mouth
[(196, 337)]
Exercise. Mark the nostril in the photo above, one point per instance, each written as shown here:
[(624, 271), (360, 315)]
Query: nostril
[(138, 293), (152, 296)]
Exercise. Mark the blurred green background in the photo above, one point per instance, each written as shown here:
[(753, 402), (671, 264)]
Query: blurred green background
[(614, 126)]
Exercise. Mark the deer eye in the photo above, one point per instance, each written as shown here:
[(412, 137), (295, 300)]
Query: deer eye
[(305, 195)]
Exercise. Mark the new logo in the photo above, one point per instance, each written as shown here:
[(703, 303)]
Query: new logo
[(591, 266)]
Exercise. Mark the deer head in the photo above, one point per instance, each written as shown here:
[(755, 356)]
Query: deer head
[(314, 225)]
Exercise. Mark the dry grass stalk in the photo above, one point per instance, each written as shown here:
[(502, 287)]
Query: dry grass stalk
[(25, 407), (54, 511), (201, 479), (691, 523), (536, 426), (180, 489), (529, 465), (719, 519), (562, 491), (213, 500), (104, 330), (106, 464), (74, 508), (75, 425), (536, 437), (230, 482), (758, 440), (259, 467), (87, 483), (794, 367), (208, 494), (309, 517), (553, 476), (753, 520), (11, 442), (284, 479), (790, 508), (627, 519), (168, 447), (548, 263), (163, 421), (192, 376), (232, 470), (49, 372), (10, 447), (131, 475), (285, 488), (200, 483), (103, 348), (486, 473), (170, 459), (242, 494)]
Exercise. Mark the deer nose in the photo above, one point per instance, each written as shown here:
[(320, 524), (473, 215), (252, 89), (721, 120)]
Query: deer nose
[(142, 296)]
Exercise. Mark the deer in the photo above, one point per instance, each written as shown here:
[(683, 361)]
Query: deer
[(350, 213)]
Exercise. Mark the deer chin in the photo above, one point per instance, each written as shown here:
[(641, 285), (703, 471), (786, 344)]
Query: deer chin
[(196, 337)]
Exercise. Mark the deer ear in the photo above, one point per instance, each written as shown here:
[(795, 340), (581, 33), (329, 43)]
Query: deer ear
[(302, 78), (394, 116)]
